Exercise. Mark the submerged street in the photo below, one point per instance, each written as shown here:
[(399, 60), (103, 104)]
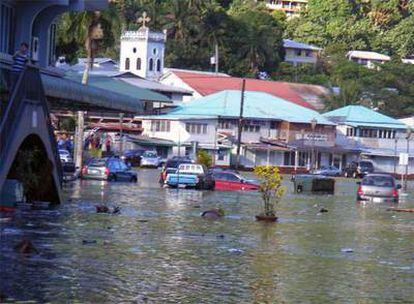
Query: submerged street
[(159, 249)]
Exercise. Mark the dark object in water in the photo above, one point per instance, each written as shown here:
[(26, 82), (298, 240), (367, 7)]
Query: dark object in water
[(26, 247), (102, 209), (87, 242), (401, 209), (314, 184), (116, 210), (323, 210), (266, 218), (213, 214)]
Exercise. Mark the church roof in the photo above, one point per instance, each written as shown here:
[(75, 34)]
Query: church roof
[(356, 115)]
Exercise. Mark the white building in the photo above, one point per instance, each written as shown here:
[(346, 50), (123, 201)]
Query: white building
[(291, 8), (300, 53), (368, 59), (373, 136), (275, 131), (142, 53)]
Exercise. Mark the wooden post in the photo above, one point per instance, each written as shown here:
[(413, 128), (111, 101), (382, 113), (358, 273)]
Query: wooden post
[(240, 127)]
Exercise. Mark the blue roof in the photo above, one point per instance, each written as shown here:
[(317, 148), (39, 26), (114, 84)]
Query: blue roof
[(357, 115), (257, 105)]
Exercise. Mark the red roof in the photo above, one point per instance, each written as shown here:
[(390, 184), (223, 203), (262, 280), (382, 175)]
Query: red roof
[(206, 84)]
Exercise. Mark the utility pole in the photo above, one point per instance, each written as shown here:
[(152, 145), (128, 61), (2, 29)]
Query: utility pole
[(216, 57), (121, 134), (239, 134)]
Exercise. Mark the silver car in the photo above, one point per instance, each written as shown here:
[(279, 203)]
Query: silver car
[(378, 188), (150, 159)]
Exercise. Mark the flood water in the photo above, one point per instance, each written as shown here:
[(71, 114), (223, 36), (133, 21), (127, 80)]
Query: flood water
[(159, 250)]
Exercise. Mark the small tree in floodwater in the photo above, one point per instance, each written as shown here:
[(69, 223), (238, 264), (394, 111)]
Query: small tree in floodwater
[(204, 158), (271, 188)]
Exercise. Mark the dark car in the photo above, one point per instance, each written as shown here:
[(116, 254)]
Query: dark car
[(111, 169), (378, 188), (358, 169), (133, 157), (172, 165)]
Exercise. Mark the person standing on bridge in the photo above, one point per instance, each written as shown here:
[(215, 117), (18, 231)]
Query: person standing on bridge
[(20, 59)]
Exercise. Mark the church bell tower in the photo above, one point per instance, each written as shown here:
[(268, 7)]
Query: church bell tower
[(142, 51)]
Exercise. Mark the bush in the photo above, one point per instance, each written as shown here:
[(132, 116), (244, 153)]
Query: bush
[(270, 188), (204, 158)]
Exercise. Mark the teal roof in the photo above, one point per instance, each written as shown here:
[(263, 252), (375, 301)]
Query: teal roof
[(118, 86), (357, 115), (67, 89), (257, 105)]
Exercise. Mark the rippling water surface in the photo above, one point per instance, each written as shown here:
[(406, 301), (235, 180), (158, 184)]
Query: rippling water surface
[(159, 250)]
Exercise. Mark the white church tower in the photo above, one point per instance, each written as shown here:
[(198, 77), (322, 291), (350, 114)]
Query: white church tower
[(142, 51)]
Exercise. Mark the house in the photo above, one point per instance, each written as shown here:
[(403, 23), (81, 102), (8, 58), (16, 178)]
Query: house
[(366, 58), (300, 53), (274, 131), (291, 8), (206, 83), (373, 136)]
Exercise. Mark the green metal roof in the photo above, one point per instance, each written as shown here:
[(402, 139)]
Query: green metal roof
[(70, 90), (118, 86), (257, 105), (357, 115)]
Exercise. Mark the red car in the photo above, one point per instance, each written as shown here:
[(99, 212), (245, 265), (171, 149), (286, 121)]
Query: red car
[(233, 181)]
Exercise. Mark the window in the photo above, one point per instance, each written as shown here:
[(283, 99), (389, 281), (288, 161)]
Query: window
[(308, 54), (151, 64), (196, 128), (154, 51), (160, 126), (127, 64), (289, 158), (226, 124), (134, 50), (138, 63), (6, 20), (251, 128), (158, 65), (298, 52)]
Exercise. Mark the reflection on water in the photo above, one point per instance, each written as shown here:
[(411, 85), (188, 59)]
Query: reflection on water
[(160, 250)]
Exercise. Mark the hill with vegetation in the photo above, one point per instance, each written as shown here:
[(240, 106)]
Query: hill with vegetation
[(249, 39)]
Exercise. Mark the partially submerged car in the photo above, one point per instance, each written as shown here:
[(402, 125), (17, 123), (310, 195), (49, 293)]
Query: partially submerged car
[(378, 188), (230, 180), (110, 169), (358, 169), (312, 183), (172, 165), (191, 176), (151, 159), (328, 171)]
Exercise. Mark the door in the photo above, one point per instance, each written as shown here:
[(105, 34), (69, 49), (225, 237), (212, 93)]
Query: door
[(221, 181), (234, 182)]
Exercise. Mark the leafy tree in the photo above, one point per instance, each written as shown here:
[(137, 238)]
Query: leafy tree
[(204, 158), (270, 188)]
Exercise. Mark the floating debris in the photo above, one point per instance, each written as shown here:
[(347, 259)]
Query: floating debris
[(213, 213), (26, 247), (89, 242), (347, 250)]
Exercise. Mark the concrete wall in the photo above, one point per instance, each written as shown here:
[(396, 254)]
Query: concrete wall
[(306, 56)]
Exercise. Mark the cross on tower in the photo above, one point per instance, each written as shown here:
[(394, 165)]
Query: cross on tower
[(144, 19)]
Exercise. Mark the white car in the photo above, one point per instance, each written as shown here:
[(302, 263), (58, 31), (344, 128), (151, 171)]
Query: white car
[(65, 156), (151, 159)]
